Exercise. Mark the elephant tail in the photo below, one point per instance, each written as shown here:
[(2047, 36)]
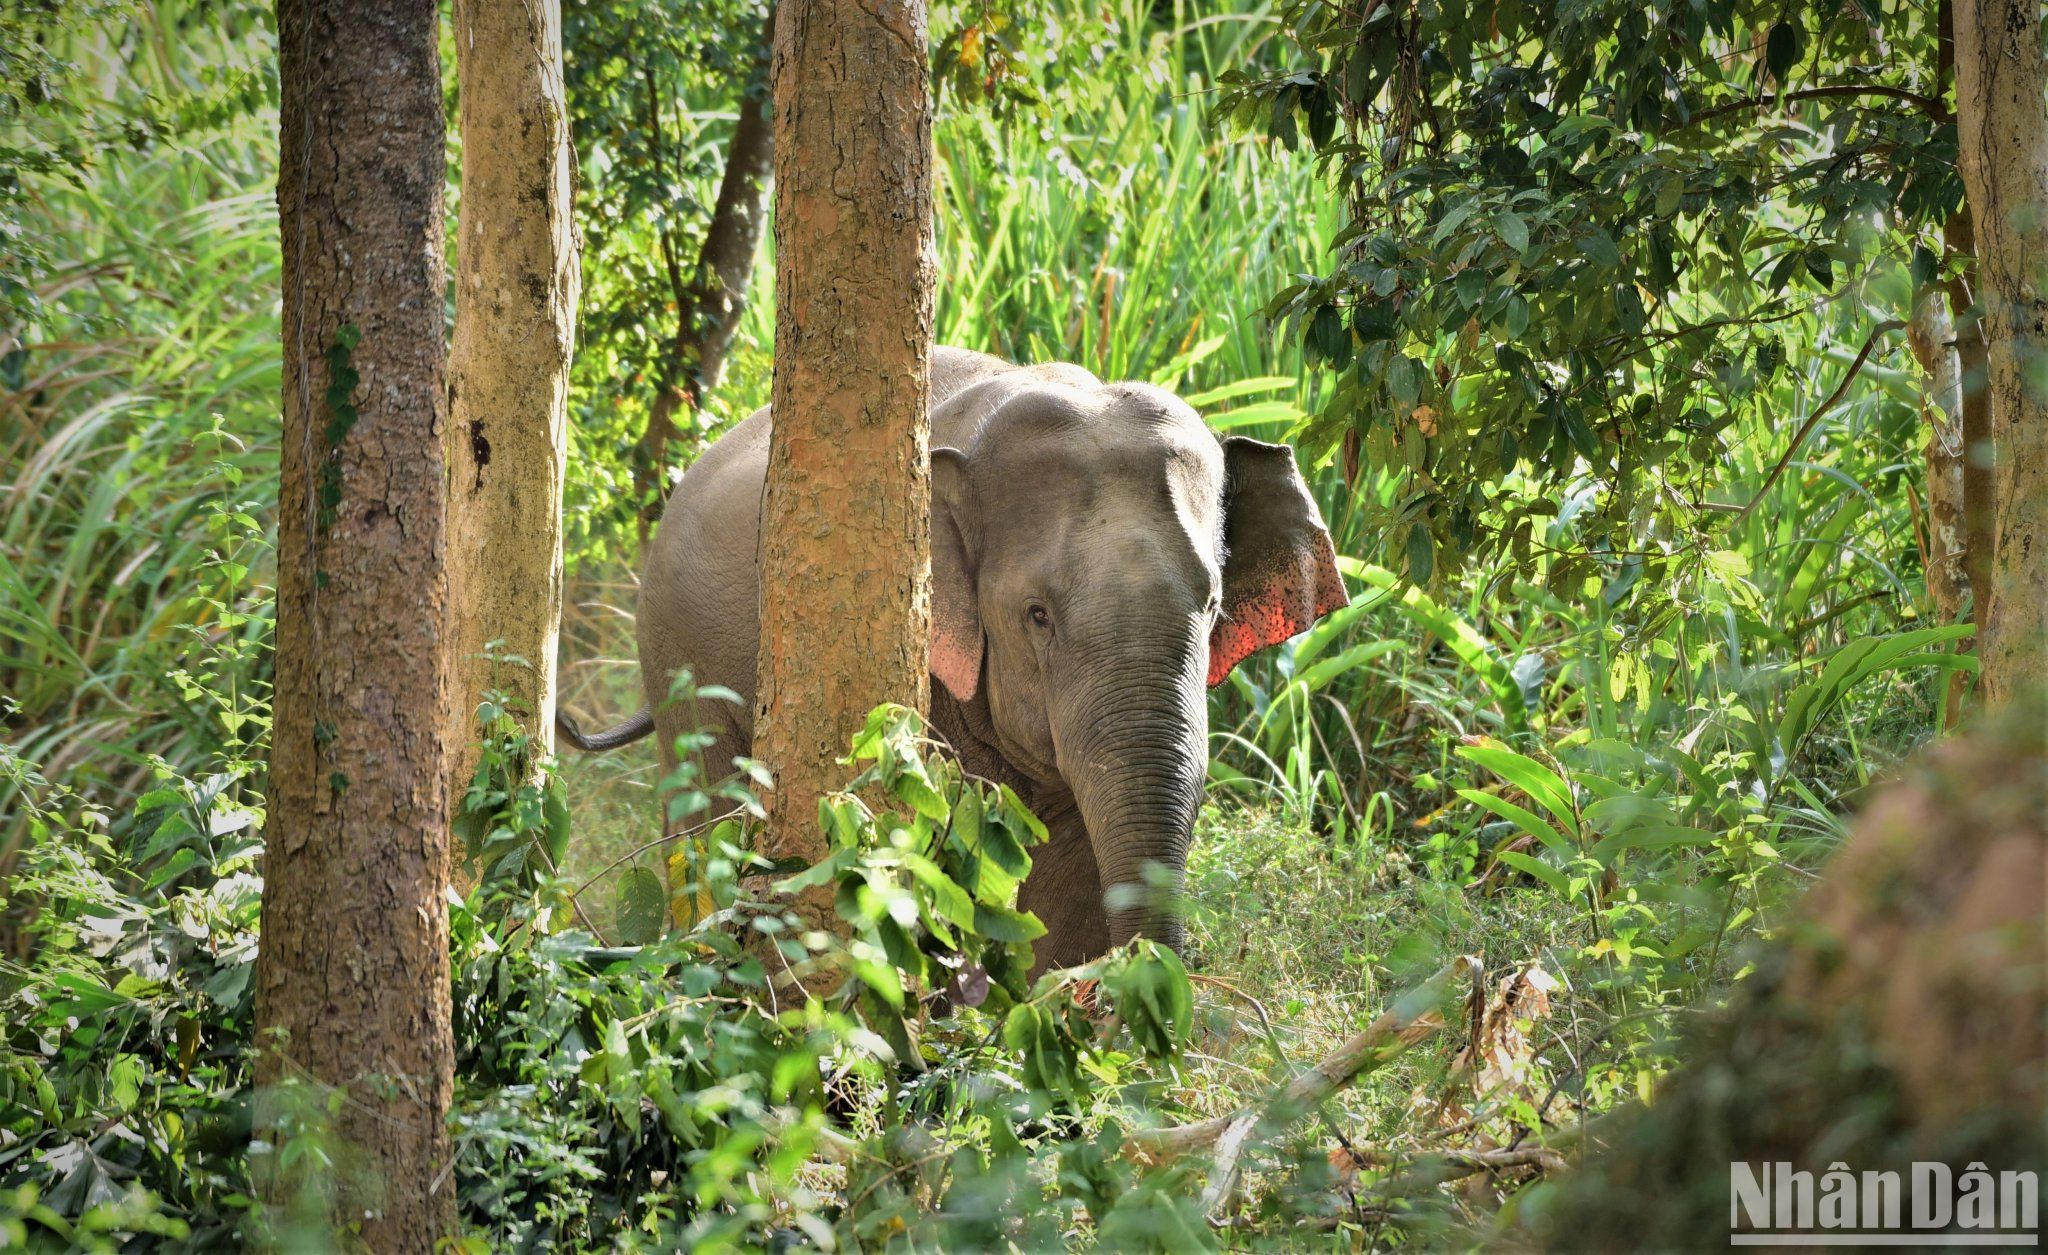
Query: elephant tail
[(611, 738)]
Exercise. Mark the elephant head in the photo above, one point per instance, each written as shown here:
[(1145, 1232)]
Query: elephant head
[(1099, 559)]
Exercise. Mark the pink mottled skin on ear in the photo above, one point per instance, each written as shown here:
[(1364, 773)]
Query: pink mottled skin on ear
[(956, 657), (955, 666), (1297, 588)]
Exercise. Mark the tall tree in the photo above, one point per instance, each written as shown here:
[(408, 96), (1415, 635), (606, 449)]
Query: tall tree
[(1932, 334), (2002, 147), (670, 262), (352, 988), (1968, 404), (710, 300), (508, 393), (845, 543), (1980, 493)]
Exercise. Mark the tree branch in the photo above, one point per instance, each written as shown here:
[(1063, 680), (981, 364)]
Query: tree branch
[(709, 305), (1928, 105), (1430, 1171), (1813, 419), (709, 315), (1390, 1033)]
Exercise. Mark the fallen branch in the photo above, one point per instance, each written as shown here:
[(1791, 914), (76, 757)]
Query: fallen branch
[(1395, 1029), (1430, 1171)]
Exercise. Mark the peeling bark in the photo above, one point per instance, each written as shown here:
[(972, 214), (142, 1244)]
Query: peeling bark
[(352, 982), (1932, 335), (2002, 145), (845, 544), (515, 322), (1980, 535)]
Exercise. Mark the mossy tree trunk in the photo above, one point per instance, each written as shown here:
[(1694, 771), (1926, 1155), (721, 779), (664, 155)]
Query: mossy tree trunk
[(845, 544), (352, 983), (508, 394)]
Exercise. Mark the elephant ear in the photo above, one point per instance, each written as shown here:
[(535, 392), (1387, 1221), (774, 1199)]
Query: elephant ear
[(956, 621), (1280, 570)]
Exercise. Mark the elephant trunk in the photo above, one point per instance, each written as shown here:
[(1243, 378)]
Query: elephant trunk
[(1135, 755)]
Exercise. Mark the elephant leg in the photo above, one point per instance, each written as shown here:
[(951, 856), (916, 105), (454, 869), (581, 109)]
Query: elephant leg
[(1064, 890)]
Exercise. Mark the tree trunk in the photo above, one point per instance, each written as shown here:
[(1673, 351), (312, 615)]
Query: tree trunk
[(2002, 144), (1980, 533), (709, 304), (1932, 335), (508, 392), (845, 535), (352, 982)]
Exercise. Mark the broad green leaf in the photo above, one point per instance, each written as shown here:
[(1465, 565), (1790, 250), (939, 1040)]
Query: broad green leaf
[(639, 906), (1557, 880), (1528, 775), (1513, 231), (1000, 923), (1522, 818), (1651, 837)]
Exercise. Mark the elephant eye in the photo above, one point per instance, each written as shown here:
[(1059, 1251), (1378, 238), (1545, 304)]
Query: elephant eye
[(1040, 616)]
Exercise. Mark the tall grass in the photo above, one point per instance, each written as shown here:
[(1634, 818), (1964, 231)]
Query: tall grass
[(149, 389)]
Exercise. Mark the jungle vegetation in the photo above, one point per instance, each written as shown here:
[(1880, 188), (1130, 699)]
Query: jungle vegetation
[(1668, 375)]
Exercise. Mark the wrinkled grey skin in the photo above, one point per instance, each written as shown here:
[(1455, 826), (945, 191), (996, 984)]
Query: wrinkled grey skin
[(1078, 570)]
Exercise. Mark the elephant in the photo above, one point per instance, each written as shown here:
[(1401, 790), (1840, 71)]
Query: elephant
[(1099, 559)]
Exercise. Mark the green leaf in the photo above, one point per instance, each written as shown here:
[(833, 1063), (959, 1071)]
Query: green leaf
[(1781, 51), (1513, 231), (1925, 266), (1628, 308), (947, 897), (1421, 553), (1651, 837), (1528, 775), (1541, 870), (1849, 666), (1315, 677), (885, 980), (1515, 317), (1404, 379), (1521, 818), (1255, 414), (1240, 388), (1599, 246), (639, 906), (554, 808), (1000, 923)]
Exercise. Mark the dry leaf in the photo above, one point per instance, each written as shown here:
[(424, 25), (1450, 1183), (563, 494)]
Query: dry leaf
[(1498, 1056)]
